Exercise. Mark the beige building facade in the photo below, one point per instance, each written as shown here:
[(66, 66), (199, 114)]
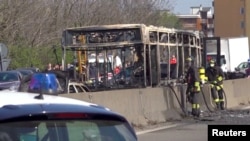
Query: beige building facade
[(231, 18), (193, 20)]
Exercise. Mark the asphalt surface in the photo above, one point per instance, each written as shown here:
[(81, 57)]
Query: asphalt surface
[(228, 117)]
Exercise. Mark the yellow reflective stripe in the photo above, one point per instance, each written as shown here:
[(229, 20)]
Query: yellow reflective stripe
[(220, 78), (195, 106), (198, 89), (203, 77), (202, 70), (211, 85), (198, 106), (221, 100), (217, 100), (196, 84), (218, 87)]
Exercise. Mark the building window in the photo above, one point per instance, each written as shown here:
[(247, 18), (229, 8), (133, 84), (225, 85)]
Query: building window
[(242, 10), (242, 24)]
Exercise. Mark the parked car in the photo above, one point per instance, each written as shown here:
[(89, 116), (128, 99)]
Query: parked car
[(56, 82), (242, 67), (240, 71), (77, 87), (31, 116), (25, 72), (33, 69), (10, 79), (41, 82)]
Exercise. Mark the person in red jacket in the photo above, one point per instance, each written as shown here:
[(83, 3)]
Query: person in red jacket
[(117, 70), (173, 64), (173, 60)]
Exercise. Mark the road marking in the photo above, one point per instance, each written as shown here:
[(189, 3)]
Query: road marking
[(159, 128)]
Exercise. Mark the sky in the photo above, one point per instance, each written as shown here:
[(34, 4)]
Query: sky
[(183, 6)]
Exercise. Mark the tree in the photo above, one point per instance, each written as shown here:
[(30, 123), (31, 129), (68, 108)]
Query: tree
[(169, 20), (30, 27)]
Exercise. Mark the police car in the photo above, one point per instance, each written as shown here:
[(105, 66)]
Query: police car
[(27, 116)]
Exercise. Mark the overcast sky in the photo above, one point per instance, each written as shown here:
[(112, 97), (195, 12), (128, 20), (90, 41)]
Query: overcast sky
[(183, 6)]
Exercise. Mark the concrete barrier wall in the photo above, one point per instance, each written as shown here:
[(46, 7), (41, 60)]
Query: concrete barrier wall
[(154, 105), (237, 92), (140, 106)]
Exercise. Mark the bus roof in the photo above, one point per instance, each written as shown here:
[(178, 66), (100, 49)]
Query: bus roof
[(107, 27)]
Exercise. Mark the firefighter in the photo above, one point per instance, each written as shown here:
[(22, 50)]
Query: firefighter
[(203, 76), (215, 77), (193, 86)]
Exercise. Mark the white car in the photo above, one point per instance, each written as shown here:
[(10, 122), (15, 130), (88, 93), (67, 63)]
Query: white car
[(77, 87), (39, 117)]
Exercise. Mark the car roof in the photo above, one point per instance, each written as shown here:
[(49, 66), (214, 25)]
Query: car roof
[(15, 104), (21, 98), (10, 71), (76, 83), (27, 70), (32, 69)]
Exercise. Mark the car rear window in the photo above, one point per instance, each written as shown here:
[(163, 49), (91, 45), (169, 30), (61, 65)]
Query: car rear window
[(67, 130), (7, 77), (79, 89)]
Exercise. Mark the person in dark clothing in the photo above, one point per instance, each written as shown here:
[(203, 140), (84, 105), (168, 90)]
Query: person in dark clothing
[(92, 71), (192, 79), (215, 77)]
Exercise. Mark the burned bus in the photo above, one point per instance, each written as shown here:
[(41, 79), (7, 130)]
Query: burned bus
[(134, 55)]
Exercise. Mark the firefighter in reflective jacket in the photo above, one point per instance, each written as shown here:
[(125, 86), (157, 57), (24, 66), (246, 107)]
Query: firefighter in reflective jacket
[(215, 78), (203, 76), (193, 86)]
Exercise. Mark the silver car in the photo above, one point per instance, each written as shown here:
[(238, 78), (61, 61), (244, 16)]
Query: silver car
[(10, 79)]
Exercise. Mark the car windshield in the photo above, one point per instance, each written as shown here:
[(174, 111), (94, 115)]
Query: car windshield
[(67, 130), (8, 77)]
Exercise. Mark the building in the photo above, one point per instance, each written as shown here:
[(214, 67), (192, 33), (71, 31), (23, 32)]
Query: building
[(193, 21), (231, 18)]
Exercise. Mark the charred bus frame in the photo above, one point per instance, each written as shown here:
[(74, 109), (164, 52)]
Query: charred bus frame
[(148, 50)]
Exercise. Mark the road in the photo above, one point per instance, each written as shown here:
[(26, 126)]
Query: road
[(190, 129), (189, 132)]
